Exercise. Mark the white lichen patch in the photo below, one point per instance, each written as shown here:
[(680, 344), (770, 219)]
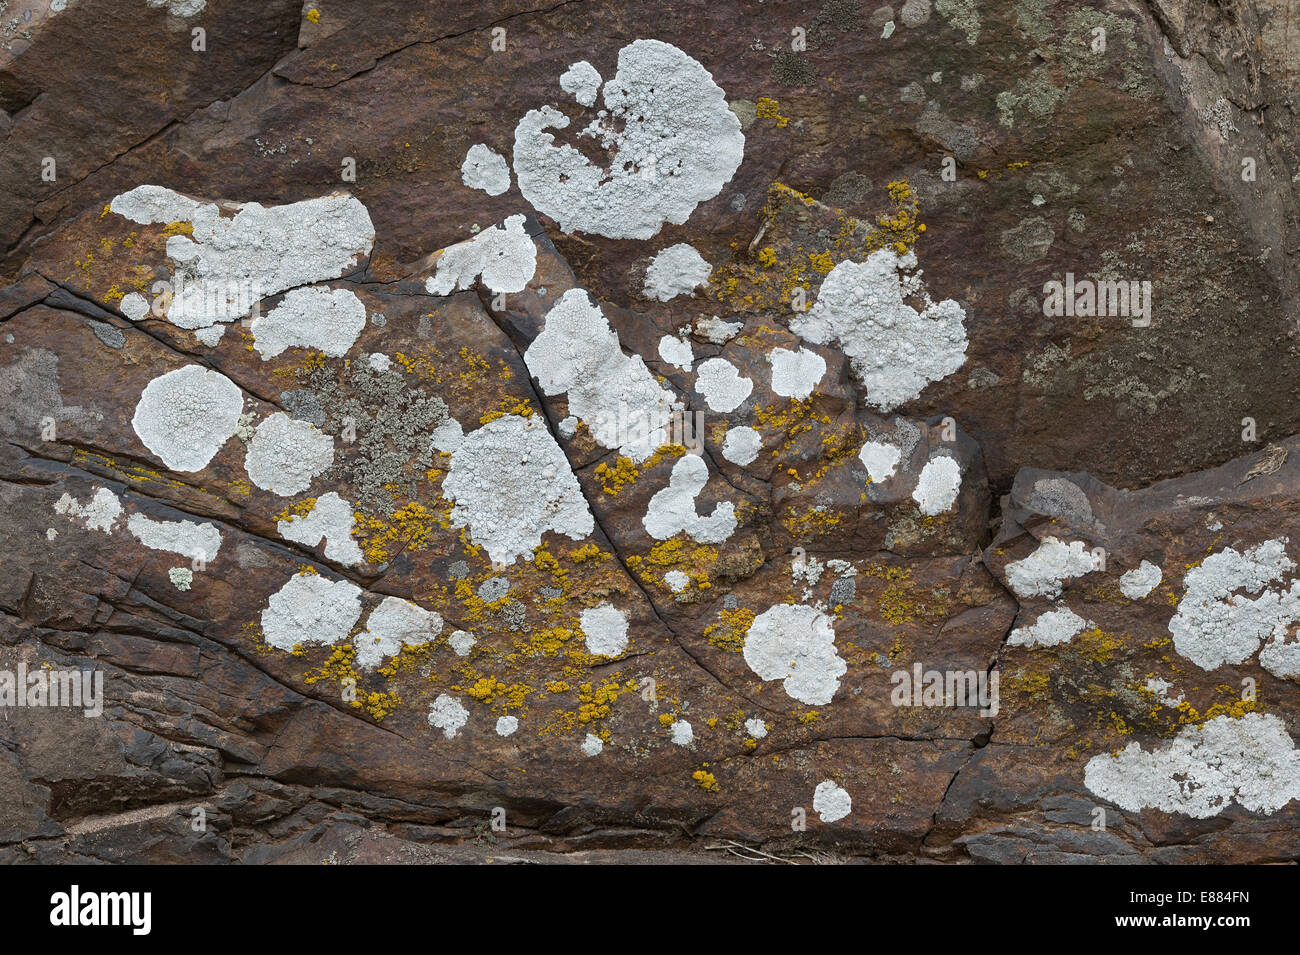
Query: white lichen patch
[(100, 513), (1281, 654), (721, 384), (448, 436), (448, 714), (1216, 623), (741, 445), (511, 483), (1050, 629), (676, 270), (605, 630), (796, 643), (484, 168), (134, 306), (938, 486), (186, 415), (229, 262), (672, 509), (1251, 761), (311, 609), (1052, 562), (796, 373), (717, 332), (503, 257), (676, 581), (881, 460), (614, 395), (327, 319), (187, 538), (331, 518), (1160, 690), (676, 352), (682, 733), (831, 802), (756, 728), (507, 725), (286, 453), (582, 81), (592, 745), (394, 624), (674, 144), (182, 578), (462, 642), (894, 350), (1140, 581)]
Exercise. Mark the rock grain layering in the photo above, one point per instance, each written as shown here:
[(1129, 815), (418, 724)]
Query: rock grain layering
[(833, 432)]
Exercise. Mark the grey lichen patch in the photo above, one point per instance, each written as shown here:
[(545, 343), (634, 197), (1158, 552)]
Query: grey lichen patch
[(1057, 497), (746, 111), (394, 426), (1073, 55), (29, 394), (791, 69), (843, 590), (1029, 241), (109, 335), (962, 15), (956, 138), (303, 405)]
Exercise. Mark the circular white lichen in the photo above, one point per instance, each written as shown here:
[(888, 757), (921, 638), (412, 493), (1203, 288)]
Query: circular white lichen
[(741, 445), (881, 460), (676, 352), (186, 415), (592, 745), (485, 169), (511, 483), (134, 306), (394, 624), (796, 643), (328, 319), (286, 453), (582, 81), (605, 628), (447, 714), (938, 486), (310, 608), (462, 642), (894, 350), (721, 384), (675, 144), (676, 270), (504, 257), (756, 728), (506, 725), (831, 802), (796, 374), (1140, 581), (676, 581), (682, 733)]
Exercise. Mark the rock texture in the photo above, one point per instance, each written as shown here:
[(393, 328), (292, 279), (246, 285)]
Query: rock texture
[(401, 524)]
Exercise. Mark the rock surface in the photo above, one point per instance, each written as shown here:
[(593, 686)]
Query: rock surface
[(401, 524)]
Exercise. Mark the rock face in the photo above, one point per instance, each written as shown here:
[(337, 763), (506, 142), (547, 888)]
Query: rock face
[(849, 433)]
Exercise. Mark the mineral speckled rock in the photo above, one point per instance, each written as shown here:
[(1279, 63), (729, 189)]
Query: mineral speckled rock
[(614, 415)]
